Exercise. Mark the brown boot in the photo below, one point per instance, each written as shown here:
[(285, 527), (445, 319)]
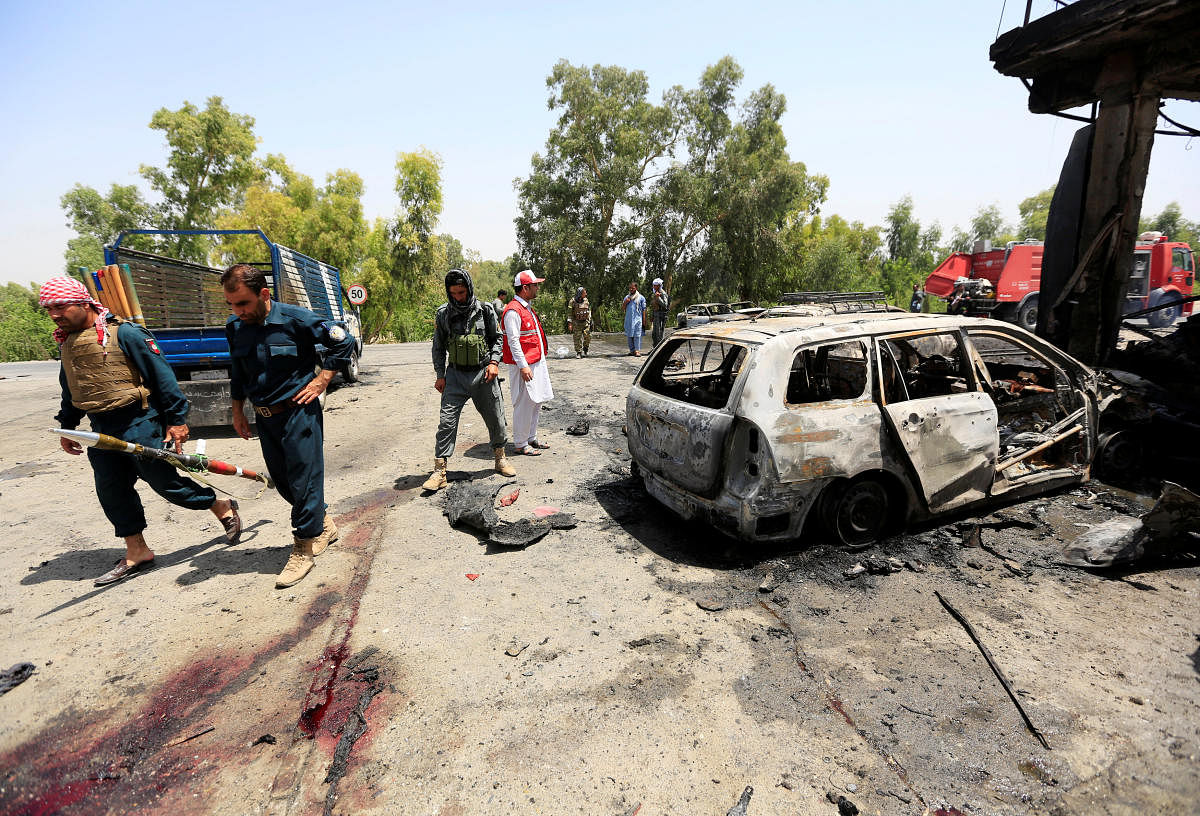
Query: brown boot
[(299, 563), (327, 536), (436, 480), (503, 466)]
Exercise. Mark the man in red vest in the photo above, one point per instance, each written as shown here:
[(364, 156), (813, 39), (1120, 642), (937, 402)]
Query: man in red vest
[(525, 349)]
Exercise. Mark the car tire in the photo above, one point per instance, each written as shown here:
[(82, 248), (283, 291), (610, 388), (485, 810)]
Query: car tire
[(350, 370), (857, 513), (1027, 315), (1167, 315), (1118, 456)]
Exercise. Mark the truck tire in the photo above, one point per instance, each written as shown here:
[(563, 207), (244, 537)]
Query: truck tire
[(1027, 315), (1168, 314), (350, 371)]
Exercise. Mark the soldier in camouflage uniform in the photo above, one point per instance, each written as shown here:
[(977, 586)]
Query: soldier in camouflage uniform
[(467, 344), (579, 321)]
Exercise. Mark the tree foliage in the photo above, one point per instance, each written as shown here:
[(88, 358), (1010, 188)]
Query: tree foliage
[(627, 189), (26, 331), (1034, 212), (98, 219), (208, 168)]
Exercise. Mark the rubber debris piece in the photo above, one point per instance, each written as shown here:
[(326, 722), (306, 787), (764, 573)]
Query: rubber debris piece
[(544, 510), (471, 576), (518, 533), (580, 428), (472, 504), (510, 498), (741, 808)]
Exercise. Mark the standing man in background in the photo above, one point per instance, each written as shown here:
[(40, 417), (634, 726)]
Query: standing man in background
[(660, 303), (273, 354), (499, 303), (634, 306), (115, 374), (525, 349), (466, 358), (579, 321)]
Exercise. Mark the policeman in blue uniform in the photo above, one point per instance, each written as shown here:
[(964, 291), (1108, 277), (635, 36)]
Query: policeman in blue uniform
[(113, 372), (273, 347)]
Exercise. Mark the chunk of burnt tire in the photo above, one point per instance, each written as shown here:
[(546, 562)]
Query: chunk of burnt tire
[(518, 533)]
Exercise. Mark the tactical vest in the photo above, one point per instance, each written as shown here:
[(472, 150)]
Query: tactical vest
[(98, 381), (581, 311)]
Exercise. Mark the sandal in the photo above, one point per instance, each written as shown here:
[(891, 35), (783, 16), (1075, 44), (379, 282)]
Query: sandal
[(528, 451), (533, 443)]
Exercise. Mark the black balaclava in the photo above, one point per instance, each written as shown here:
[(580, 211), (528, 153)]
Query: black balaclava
[(459, 277)]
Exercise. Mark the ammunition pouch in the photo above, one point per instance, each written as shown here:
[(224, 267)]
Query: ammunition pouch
[(466, 350)]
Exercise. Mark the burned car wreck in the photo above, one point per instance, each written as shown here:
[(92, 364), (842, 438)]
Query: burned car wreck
[(858, 422)]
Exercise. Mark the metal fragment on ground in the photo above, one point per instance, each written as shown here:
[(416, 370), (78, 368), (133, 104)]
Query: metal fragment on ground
[(580, 428), (472, 504), (1120, 540), (1177, 511), (515, 649), (518, 533), (743, 803)]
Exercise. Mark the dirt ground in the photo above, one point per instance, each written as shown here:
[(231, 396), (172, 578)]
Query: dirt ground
[(634, 664)]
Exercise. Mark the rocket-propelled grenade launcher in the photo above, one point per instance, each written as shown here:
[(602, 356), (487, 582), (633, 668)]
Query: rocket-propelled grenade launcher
[(192, 462)]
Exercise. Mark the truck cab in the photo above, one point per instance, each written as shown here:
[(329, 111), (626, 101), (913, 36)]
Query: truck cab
[(1005, 283)]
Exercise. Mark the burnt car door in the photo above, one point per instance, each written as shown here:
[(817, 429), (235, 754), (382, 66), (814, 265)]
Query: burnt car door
[(679, 410), (944, 423), (1045, 408)]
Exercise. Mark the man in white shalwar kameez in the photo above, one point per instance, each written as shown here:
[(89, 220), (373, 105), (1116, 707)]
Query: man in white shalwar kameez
[(525, 350)]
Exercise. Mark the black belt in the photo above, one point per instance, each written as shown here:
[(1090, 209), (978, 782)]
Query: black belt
[(278, 409)]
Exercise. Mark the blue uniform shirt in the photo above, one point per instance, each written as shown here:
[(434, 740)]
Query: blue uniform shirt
[(273, 361), (140, 349)]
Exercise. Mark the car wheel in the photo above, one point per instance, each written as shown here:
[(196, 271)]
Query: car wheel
[(350, 371), (1168, 314), (1118, 455), (858, 513), (1027, 315)]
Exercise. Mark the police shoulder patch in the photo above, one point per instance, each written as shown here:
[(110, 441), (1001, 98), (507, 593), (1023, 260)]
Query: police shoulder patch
[(154, 349)]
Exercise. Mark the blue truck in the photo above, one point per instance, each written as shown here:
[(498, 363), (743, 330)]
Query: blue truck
[(183, 304)]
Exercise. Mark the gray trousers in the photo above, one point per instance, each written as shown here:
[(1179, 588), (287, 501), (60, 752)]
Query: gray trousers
[(660, 326), (460, 387)]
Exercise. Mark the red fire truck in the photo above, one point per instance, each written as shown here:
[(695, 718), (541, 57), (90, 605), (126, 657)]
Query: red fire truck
[(1003, 283)]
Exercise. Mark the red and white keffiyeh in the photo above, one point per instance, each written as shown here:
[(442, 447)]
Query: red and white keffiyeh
[(63, 291)]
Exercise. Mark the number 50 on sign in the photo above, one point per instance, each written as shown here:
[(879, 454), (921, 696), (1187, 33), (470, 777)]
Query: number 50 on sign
[(357, 294)]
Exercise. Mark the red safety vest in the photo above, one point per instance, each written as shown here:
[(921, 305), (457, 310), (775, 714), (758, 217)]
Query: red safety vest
[(532, 336)]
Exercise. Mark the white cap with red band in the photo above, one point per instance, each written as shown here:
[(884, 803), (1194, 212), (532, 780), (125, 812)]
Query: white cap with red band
[(526, 276)]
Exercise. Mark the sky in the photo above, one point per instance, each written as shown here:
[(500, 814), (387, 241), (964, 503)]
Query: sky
[(886, 99)]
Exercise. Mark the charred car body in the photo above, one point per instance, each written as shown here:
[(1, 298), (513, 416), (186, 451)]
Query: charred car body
[(861, 422)]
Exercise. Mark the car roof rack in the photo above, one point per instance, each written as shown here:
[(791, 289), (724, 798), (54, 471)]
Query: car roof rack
[(868, 301)]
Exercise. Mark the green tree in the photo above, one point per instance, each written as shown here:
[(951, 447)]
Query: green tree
[(406, 261), (26, 331), (912, 252), (208, 168), (1034, 212), (98, 219), (988, 224), (582, 207), (1170, 222), (325, 223)]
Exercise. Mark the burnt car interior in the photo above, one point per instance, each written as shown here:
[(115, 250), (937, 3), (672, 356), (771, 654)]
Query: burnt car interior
[(927, 365), (696, 371), (827, 372), (1040, 414)]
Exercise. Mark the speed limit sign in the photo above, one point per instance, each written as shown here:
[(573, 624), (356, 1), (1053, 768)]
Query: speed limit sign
[(357, 294)]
